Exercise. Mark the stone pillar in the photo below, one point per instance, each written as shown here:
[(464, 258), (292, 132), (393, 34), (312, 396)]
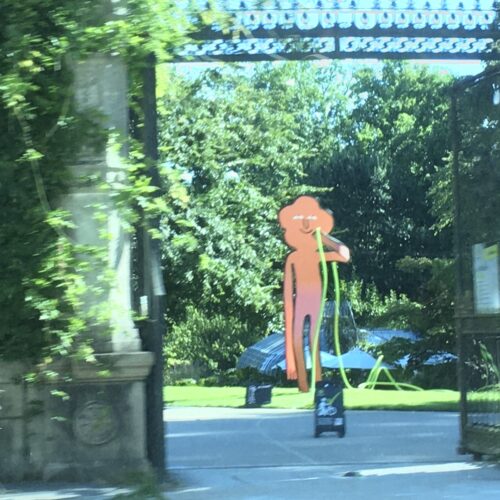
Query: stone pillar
[(12, 422), (101, 90), (99, 430)]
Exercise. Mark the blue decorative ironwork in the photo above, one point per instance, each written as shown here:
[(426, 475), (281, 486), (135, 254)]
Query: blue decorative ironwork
[(298, 29), (256, 49)]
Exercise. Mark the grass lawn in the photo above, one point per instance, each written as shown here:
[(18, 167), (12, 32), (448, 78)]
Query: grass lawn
[(291, 398)]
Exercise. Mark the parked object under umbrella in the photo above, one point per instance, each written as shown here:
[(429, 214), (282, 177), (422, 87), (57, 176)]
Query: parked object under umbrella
[(264, 355)]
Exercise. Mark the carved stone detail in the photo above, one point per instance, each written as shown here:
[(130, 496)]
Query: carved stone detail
[(95, 423)]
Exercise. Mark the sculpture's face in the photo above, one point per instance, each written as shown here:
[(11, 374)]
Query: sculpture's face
[(301, 219)]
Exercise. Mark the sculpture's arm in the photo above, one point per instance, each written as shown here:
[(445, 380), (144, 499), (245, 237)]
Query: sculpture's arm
[(335, 249)]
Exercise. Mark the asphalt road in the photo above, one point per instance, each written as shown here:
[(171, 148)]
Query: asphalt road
[(226, 454), (272, 454)]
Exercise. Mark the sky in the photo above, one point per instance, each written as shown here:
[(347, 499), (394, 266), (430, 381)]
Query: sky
[(454, 68)]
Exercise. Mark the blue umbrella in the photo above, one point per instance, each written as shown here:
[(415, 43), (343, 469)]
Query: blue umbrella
[(360, 360), (265, 354), (440, 358), (327, 360), (269, 354)]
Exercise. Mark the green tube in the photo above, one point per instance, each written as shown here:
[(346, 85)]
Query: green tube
[(313, 350), (374, 373), (336, 336), (401, 386), (373, 378), (391, 378)]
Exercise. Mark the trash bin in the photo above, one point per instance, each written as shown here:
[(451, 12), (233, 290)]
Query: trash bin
[(258, 395), (329, 408)]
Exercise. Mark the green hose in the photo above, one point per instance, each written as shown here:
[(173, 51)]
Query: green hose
[(373, 378), (374, 374), (336, 335), (313, 350)]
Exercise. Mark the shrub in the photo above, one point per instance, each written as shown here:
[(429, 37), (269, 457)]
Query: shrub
[(215, 342)]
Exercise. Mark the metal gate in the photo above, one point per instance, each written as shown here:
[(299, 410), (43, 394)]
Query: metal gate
[(476, 177), (270, 30)]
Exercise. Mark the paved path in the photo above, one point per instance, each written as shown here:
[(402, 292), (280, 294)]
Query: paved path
[(258, 454), (272, 454)]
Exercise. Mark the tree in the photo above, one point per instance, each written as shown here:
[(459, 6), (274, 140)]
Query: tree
[(381, 160), (368, 143), (242, 141), (41, 132)]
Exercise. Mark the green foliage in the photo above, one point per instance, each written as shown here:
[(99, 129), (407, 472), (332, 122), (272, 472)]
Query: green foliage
[(250, 141), (228, 122), (68, 304), (221, 255), (214, 341), (430, 313), (238, 141), (442, 376), (372, 144), (478, 179), (373, 309), (433, 288), (380, 157), (37, 143), (43, 278)]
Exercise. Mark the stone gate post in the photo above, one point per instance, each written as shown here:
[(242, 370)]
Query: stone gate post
[(99, 431)]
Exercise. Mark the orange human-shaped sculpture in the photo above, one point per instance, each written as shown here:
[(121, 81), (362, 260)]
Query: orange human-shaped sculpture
[(302, 280)]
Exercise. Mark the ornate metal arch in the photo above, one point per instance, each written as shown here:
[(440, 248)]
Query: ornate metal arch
[(321, 29)]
